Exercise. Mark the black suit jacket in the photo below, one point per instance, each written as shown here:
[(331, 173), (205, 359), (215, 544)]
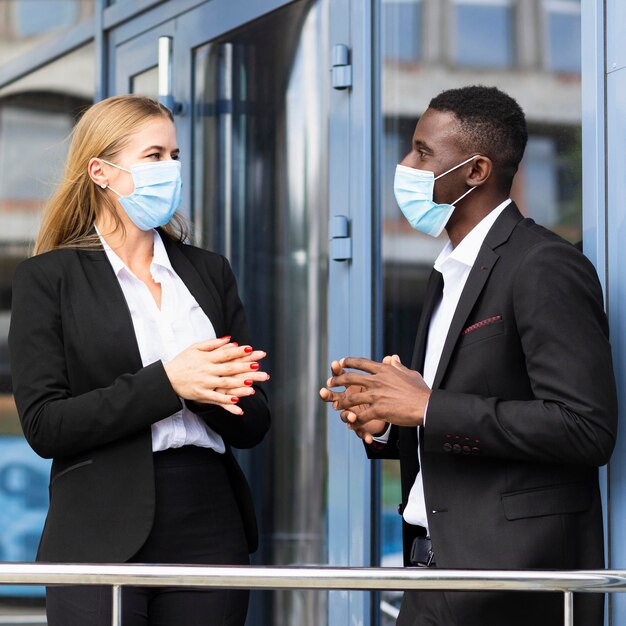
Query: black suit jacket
[(522, 413), (86, 401)]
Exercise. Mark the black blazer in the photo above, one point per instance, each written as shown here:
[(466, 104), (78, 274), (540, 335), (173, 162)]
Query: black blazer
[(522, 413), (86, 401)]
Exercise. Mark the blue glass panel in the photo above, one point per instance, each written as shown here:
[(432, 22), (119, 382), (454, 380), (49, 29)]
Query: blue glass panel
[(564, 42), (36, 17), (483, 35), (23, 506), (402, 26)]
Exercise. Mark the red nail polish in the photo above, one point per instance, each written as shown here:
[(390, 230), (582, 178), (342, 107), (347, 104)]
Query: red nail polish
[(247, 382), (225, 337), (254, 366), (233, 399), (247, 349)]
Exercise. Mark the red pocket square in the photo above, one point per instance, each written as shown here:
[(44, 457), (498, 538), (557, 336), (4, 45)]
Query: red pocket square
[(489, 320)]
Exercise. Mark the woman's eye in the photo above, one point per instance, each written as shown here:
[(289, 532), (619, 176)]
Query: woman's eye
[(154, 155)]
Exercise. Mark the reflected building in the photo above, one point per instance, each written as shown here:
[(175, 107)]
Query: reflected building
[(528, 48)]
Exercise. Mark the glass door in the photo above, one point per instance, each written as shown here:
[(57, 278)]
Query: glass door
[(259, 185), (251, 83)]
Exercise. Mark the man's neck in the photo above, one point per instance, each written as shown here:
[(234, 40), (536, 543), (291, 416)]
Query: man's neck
[(461, 224)]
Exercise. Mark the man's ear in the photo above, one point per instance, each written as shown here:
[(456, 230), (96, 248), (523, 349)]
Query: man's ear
[(482, 167)]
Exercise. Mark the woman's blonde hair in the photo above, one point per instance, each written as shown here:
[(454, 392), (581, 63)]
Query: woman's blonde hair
[(103, 131)]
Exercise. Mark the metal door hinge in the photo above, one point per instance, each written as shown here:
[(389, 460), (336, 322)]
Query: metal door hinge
[(340, 241), (342, 70)]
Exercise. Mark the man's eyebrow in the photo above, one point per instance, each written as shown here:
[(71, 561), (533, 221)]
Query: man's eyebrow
[(421, 145)]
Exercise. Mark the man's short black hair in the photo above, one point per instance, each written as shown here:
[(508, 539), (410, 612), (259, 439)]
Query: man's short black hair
[(491, 123)]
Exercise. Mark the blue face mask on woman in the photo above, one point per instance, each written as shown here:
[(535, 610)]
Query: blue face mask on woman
[(414, 191), (157, 195)]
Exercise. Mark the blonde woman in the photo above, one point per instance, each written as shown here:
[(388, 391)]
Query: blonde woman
[(132, 370)]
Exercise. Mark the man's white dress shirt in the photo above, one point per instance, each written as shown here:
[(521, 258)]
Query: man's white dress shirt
[(164, 333), (455, 265)]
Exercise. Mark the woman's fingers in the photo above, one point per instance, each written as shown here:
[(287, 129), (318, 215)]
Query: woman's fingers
[(212, 344), (215, 364), (223, 398), (244, 353), (231, 352), (256, 355), (239, 392), (239, 369)]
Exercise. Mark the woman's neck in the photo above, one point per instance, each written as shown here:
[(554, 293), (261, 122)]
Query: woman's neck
[(135, 247)]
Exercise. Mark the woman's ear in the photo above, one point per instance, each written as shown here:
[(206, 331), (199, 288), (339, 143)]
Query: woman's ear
[(481, 171), (96, 173)]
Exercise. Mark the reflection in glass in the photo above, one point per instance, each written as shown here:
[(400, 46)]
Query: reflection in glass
[(483, 33), (37, 113), (563, 35), (481, 42), (146, 83), (260, 193), (402, 25), (25, 24)]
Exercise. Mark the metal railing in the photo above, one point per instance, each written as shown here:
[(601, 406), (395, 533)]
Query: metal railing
[(326, 578)]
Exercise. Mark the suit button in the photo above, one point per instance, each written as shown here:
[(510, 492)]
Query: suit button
[(467, 450), (400, 508), (447, 447), (456, 448), (475, 450)]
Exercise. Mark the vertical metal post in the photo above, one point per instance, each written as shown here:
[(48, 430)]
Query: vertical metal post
[(226, 142), (116, 619), (165, 78), (166, 95), (568, 608)]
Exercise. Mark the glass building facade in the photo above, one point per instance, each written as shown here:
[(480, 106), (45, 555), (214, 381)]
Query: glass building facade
[(291, 117)]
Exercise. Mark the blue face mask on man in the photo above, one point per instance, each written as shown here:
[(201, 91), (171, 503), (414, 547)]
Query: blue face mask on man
[(414, 191), (157, 194)]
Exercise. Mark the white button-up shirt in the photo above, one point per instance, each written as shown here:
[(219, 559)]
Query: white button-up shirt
[(162, 334), (455, 265)]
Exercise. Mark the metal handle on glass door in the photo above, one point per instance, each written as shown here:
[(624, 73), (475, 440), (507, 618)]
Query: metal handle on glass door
[(166, 97)]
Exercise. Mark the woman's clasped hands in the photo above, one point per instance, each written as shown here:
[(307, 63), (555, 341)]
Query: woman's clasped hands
[(216, 371)]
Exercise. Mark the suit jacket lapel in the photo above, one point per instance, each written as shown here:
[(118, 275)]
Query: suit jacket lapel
[(475, 282), (203, 291), (483, 266), (111, 304), (434, 289)]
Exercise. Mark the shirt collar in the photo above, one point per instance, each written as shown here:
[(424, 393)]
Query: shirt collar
[(160, 254), (469, 247), (159, 258)]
